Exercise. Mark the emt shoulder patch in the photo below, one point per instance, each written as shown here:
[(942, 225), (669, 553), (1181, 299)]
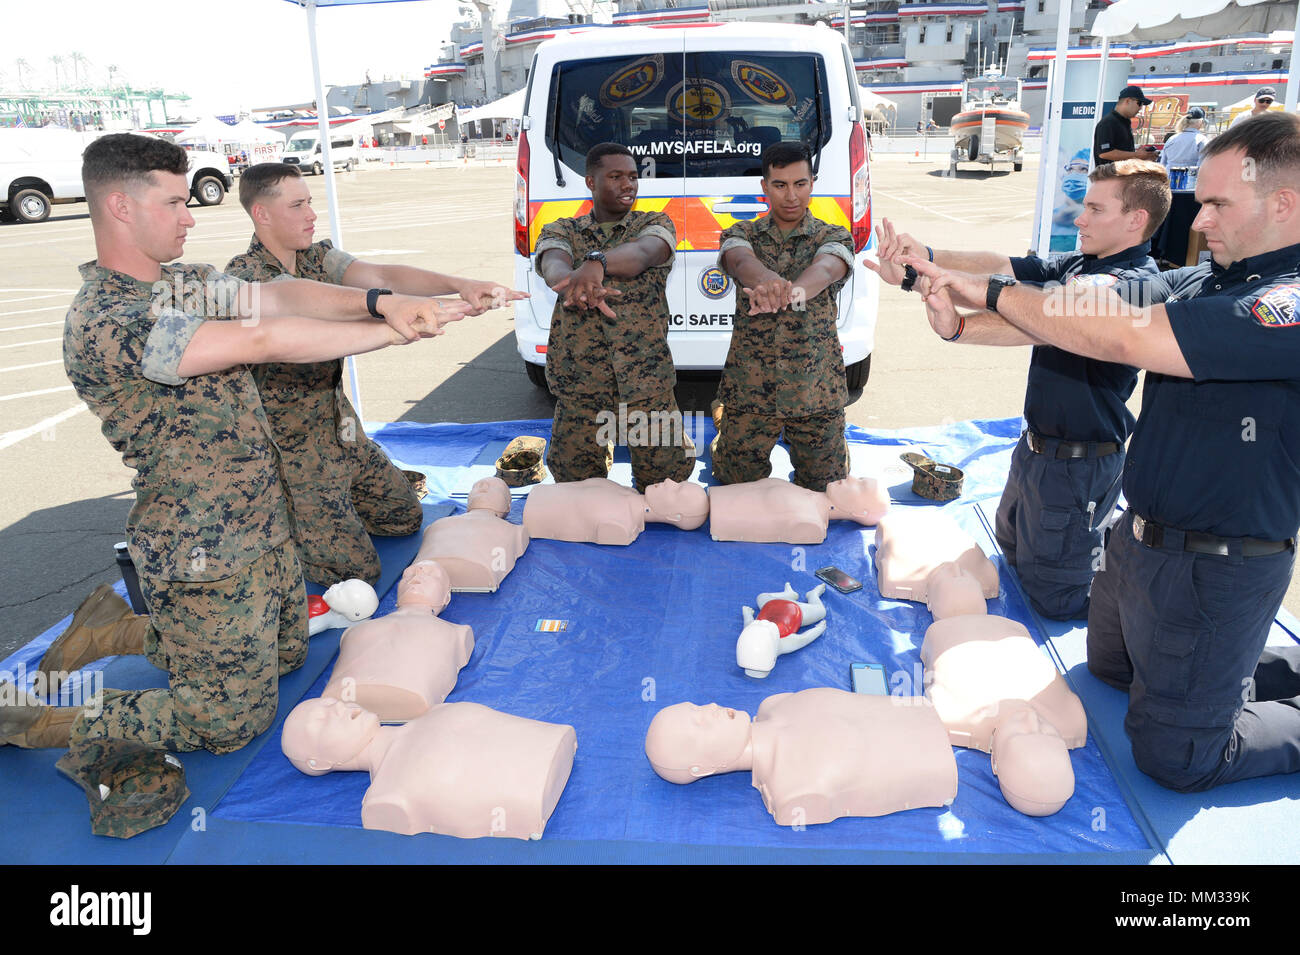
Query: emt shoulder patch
[(1278, 307), (1099, 279)]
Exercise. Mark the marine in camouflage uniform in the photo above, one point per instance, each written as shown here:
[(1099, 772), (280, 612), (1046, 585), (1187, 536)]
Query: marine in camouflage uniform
[(210, 529), (594, 363), (784, 371), (342, 488)]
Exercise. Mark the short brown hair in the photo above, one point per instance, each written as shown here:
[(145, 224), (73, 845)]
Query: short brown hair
[(1271, 141), (120, 159), (264, 180), (1143, 184)]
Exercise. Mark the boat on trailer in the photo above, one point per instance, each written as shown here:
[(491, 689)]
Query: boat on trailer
[(991, 125)]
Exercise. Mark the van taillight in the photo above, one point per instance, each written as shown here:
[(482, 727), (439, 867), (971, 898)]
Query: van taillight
[(521, 197), (861, 187)]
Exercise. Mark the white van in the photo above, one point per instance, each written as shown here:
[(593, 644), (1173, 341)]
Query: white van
[(696, 106), (303, 149)]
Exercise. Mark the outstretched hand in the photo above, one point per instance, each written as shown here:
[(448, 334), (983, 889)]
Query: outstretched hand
[(891, 248), (583, 292), (964, 289), (485, 296)]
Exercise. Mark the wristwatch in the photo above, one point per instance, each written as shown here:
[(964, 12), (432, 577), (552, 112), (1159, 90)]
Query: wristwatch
[(996, 284), (372, 299), (598, 256), (910, 275)]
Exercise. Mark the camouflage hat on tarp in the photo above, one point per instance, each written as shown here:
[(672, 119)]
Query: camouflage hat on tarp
[(131, 787), (520, 463), (934, 481), (419, 483)]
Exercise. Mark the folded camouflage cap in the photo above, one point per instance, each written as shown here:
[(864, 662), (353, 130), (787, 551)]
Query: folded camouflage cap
[(131, 787), (520, 463), (419, 483), (934, 481)]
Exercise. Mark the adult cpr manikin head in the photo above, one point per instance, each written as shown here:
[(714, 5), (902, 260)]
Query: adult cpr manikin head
[(323, 733), (489, 494), (953, 591), (686, 742), (1032, 762), (684, 504), (858, 499), (352, 599), (424, 584)]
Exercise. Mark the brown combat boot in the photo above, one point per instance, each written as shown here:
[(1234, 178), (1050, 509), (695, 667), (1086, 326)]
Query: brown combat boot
[(30, 724), (104, 625)]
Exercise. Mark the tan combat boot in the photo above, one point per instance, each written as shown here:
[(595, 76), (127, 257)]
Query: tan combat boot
[(30, 724), (104, 625)]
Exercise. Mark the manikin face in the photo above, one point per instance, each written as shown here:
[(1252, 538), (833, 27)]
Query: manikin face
[(1032, 762), (683, 505), (789, 191), (1235, 216), (424, 584), (613, 186), (286, 219), (857, 498), (354, 599), (1104, 227), (490, 494), (686, 742), (322, 733), (159, 218)]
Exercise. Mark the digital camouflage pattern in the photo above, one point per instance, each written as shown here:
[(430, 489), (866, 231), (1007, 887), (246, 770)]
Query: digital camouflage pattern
[(520, 463), (786, 363), (589, 355), (207, 483), (934, 481), (224, 644), (661, 450), (341, 485), (130, 787), (742, 451)]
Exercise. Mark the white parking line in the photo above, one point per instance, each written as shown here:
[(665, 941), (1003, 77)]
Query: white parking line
[(35, 341), (66, 291), (38, 364), (10, 438), (27, 298), (33, 394), (927, 207), (29, 311), (19, 328)]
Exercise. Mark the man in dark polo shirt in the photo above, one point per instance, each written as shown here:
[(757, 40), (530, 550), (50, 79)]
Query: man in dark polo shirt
[(1112, 139), (1196, 570), (1063, 484)]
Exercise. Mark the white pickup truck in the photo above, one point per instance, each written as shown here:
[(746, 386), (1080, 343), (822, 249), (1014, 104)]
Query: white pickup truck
[(41, 167)]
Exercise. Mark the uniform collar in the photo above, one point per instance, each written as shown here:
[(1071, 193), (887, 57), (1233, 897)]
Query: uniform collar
[(1283, 261), (258, 248), (1134, 253), (124, 284), (588, 220), (805, 226)]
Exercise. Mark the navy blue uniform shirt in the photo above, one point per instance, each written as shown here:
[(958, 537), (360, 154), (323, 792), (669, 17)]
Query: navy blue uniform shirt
[(1069, 396), (1113, 131), (1220, 453)]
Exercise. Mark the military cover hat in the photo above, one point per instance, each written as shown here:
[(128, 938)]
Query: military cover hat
[(520, 463), (131, 787), (419, 483), (934, 481)]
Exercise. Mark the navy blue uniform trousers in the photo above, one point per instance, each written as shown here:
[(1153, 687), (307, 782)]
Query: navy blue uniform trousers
[(1184, 634)]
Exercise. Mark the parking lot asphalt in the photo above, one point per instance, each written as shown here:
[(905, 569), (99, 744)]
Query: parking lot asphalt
[(67, 494)]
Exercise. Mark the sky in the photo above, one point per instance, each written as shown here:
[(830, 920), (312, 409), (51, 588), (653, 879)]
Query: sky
[(228, 55)]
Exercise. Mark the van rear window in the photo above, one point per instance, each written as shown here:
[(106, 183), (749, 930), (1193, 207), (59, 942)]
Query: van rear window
[(705, 114)]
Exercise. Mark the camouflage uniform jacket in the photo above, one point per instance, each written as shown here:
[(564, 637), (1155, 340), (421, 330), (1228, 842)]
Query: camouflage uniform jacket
[(207, 484), (786, 364), (588, 354), (301, 400)]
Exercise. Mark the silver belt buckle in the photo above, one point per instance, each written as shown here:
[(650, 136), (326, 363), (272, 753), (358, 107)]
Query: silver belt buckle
[(1139, 529)]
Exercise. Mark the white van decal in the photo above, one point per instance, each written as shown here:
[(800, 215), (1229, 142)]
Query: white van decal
[(634, 81), (760, 84), (678, 147), (698, 101)]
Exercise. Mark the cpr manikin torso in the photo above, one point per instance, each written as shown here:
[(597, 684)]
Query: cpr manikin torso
[(403, 663), (815, 755), (460, 770), (479, 548), (911, 543), (996, 691), (773, 511), (598, 511)]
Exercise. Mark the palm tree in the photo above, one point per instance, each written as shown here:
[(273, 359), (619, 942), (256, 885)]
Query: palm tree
[(77, 60), (22, 65), (57, 61)]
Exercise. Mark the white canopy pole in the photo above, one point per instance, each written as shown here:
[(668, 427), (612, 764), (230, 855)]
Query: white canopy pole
[(1052, 130), (1293, 78), (331, 195), (1101, 86)]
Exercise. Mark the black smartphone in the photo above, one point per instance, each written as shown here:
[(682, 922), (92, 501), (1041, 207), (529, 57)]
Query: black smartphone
[(839, 580)]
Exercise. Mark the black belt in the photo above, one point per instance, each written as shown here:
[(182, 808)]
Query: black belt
[(1071, 449), (1153, 535)]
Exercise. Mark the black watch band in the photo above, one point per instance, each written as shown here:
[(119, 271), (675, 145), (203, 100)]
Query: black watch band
[(598, 257), (996, 284), (910, 276), (372, 300)]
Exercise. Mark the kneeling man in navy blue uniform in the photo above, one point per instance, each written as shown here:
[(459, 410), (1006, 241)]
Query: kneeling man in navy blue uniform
[(1064, 481), (1196, 569)]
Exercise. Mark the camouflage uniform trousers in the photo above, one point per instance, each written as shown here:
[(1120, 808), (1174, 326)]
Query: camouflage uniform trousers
[(742, 451), (339, 496), (660, 449), (224, 644)]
